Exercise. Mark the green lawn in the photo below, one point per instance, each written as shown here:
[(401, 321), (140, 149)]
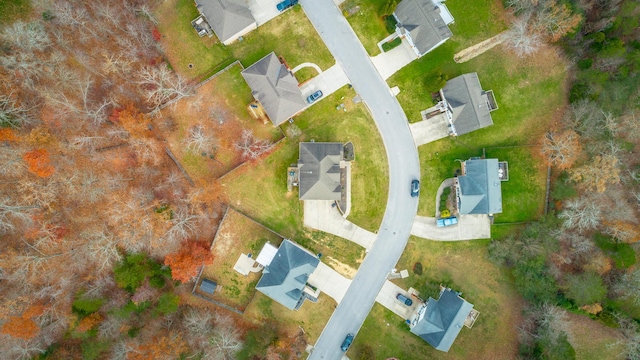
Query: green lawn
[(290, 35), (366, 22), (523, 195), (11, 10), (260, 189), (475, 20), (463, 266), (528, 95), (182, 45)]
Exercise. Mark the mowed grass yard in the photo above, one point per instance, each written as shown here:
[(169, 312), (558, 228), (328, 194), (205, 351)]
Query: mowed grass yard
[(237, 235), (463, 266), (182, 45), (475, 20), (260, 189), (219, 108), (530, 94), (290, 35)]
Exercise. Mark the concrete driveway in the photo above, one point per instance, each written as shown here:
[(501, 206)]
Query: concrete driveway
[(329, 282), (320, 215), (387, 298), (469, 227), (430, 130), (329, 81), (388, 63), (263, 10)]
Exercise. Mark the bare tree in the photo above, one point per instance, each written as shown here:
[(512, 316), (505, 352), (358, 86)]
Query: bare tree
[(521, 38), (13, 114), (182, 226), (561, 149), (161, 85), (251, 146), (581, 213), (627, 286), (10, 214), (103, 249), (198, 141), (226, 339), (629, 338), (28, 37)]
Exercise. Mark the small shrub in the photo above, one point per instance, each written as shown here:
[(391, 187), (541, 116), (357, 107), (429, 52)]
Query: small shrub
[(167, 304), (622, 254), (435, 81), (390, 23), (417, 268), (585, 64), (85, 307), (586, 288), (391, 44)]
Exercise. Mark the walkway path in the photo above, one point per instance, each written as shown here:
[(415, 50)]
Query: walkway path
[(404, 166), (307, 64), (479, 48)]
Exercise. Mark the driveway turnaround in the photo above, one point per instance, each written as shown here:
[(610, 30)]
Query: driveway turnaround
[(329, 282), (429, 130), (404, 166), (469, 227), (328, 81), (321, 215), (388, 63)]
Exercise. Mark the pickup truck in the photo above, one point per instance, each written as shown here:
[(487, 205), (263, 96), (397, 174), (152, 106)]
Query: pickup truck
[(284, 5)]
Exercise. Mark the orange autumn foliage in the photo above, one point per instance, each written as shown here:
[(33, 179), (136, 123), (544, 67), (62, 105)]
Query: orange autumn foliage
[(7, 134), (21, 328), (89, 322), (185, 262), (132, 120), (160, 348), (38, 163), (34, 310)]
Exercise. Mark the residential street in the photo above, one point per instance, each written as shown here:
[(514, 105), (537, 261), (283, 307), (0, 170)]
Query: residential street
[(403, 167)]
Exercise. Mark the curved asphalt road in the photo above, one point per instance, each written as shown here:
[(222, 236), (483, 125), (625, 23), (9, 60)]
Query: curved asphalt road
[(403, 167)]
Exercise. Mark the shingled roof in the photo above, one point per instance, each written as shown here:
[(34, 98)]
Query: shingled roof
[(480, 188), (226, 17), (285, 277), (441, 322), (468, 103), (275, 87), (319, 170), (424, 23)]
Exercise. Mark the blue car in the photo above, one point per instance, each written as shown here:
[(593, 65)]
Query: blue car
[(415, 188), (282, 6), (347, 342), (315, 96)]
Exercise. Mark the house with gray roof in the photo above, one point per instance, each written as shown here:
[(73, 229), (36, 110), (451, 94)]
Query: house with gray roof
[(424, 23), (285, 276), (229, 19), (319, 171), (439, 322), (468, 107), (478, 189), (275, 87)]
